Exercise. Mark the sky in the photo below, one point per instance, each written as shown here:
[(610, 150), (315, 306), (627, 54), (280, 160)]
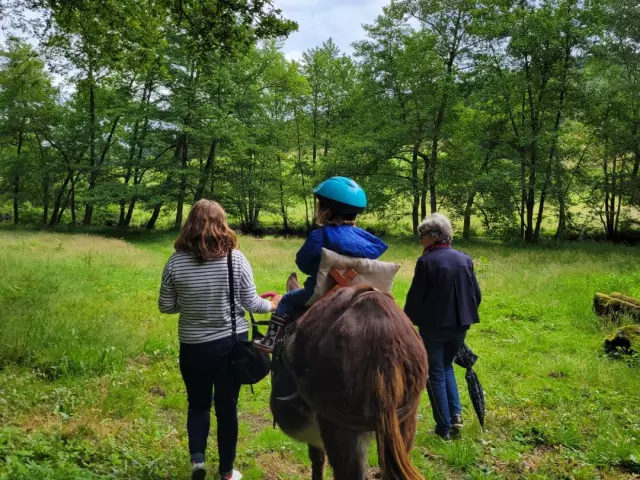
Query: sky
[(319, 20)]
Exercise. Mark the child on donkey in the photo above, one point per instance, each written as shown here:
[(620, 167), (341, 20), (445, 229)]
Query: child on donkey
[(340, 200)]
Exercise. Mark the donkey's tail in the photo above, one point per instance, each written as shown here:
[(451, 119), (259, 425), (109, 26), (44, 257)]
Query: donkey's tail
[(393, 454)]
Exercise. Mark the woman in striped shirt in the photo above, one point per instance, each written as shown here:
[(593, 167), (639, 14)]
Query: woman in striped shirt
[(195, 284)]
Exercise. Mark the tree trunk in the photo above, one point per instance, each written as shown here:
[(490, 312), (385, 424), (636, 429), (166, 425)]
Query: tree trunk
[(425, 187), (556, 132), (206, 173), (151, 224), (437, 126), (543, 195), (416, 190), (132, 206), (58, 203), (314, 153), (562, 218), (468, 209), (16, 183), (88, 214), (304, 187), (122, 214), (609, 196), (45, 199), (73, 203), (523, 197), (611, 221), (183, 181), (283, 207), (531, 195), (68, 199), (127, 176), (16, 196), (635, 180), (137, 180)]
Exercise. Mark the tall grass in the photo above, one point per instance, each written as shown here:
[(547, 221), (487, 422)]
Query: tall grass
[(76, 304), (90, 386)]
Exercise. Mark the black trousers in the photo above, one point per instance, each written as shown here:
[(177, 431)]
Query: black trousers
[(205, 368)]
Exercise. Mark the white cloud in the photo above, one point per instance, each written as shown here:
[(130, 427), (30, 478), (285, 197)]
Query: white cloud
[(293, 55), (320, 20)]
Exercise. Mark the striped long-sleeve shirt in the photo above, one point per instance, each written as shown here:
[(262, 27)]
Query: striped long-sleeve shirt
[(199, 292)]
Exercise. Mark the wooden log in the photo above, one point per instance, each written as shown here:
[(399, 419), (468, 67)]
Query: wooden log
[(608, 306), (625, 340), (626, 298)]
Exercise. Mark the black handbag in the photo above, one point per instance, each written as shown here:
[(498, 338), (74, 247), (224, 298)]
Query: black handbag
[(248, 364)]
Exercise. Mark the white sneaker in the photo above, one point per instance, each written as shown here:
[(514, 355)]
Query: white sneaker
[(235, 475), (198, 471)]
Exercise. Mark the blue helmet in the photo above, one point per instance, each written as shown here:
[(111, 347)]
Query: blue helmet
[(342, 195)]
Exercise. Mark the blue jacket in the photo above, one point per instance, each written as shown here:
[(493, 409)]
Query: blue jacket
[(444, 292), (343, 239)]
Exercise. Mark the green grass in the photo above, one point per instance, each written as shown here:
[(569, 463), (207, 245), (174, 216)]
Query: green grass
[(90, 387)]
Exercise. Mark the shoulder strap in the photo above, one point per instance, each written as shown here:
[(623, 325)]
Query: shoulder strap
[(232, 297)]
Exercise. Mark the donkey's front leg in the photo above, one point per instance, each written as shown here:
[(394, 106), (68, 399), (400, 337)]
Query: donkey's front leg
[(346, 451), (318, 459)]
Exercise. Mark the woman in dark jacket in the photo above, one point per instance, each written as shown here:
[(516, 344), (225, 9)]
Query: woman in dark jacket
[(443, 302)]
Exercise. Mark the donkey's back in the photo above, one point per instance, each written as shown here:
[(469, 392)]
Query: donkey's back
[(359, 366)]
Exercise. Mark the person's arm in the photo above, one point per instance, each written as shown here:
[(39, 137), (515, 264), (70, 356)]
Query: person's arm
[(476, 285), (168, 299), (249, 298), (415, 295), (310, 252)]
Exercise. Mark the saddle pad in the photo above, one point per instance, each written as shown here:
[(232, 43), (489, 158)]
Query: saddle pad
[(376, 273)]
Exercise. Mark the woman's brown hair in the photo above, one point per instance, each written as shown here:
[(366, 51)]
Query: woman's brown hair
[(206, 235)]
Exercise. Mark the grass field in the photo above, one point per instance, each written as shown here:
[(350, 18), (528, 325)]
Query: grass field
[(90, 387)]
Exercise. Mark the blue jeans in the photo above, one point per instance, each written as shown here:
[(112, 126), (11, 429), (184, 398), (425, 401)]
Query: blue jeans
[(293, 303), (442, 346), (205, 368)]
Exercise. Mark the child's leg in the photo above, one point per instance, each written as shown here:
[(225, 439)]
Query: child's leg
[(291, 306)]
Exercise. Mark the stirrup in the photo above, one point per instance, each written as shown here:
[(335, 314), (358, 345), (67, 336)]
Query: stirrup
[(262, 347), (275, 331)]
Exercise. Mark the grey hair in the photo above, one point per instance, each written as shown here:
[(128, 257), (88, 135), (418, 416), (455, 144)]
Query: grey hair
[(437, 226)]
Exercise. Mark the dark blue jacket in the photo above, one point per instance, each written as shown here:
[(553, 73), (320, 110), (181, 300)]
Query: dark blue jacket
[(444, 292)]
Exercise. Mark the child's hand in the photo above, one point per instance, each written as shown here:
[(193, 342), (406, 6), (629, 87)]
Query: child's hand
[(275, 301)]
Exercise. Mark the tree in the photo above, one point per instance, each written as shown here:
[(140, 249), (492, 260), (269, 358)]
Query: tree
[(532, 51), (26, 96)]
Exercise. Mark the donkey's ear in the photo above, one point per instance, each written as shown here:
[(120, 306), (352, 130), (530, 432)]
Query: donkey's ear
[(292, 282)]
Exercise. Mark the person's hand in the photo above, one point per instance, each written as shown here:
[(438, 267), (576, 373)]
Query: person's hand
[(273, 297), (275, 301)]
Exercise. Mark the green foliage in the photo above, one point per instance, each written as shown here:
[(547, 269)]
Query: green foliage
[(517, 118)]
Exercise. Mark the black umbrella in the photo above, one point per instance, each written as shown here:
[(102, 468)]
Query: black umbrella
[(467, 359)]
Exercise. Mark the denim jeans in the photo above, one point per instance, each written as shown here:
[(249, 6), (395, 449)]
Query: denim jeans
[(442, 346), (205, 368), (293, 303)]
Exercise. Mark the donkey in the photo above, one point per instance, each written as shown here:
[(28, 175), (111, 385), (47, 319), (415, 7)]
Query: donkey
[(354, 367)]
